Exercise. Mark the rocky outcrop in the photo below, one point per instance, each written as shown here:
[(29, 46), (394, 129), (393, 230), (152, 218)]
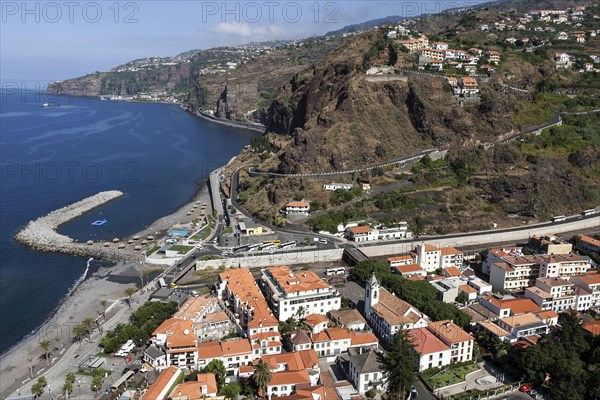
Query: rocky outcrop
[(41, 234)]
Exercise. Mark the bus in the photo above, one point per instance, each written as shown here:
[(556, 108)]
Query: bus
[(588, 212), (275, 242), (240, 249), (288, 245), (559, 218), (335, 271)]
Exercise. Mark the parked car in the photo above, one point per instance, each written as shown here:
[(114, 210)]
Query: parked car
[(413, 393), (525, 388)]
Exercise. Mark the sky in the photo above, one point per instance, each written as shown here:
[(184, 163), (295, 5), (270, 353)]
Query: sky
[(43, 41)]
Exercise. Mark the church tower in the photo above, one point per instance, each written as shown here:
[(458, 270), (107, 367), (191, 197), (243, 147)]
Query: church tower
[(371, 293)]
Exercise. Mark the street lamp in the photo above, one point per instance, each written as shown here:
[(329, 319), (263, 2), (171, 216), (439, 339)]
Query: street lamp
[(79, 387)]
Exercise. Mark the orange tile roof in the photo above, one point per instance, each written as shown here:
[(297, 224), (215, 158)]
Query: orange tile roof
[(299, 282), (520, 320), (164, 379), (592, 327), (194, 307), (315, 319), (467, 289), (452, 271), (593, 279), (210, 349), (493, 328), (242, 285), (298, 204), (516, 306), (295, 361), (400, 258), (448, 251), (546, 314), (362, 338), (590, 240), (289, 378), (360, 229), (395, 310), (193, 390), (236, 346), (218, 316), (180, 332), (404, 269), (425, 342), (449, 331)]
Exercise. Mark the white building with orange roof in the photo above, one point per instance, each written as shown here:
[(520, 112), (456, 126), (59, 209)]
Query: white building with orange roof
[(591, 283), (292, 371), (204, 386), (523, 325), (469, 291), (588, 243), (388, 314), (497, 255), (409, 270), (361, 233), (469, 86), (493, 56), (234, 353), (431, 258), (159, 390), (433, 353), (297, 207), (177, 336), (317, 322), (303, 292), (459, 341), (508, 306), (403, 259), (331, 342)]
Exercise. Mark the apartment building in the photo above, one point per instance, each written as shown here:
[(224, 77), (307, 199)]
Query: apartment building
[(387, 313), (404, 259), (433, 54), (553, 294), (591, 284), (234, 353), (291, 371), (588, 243), (297, 207), (432, 351), (290, 293), (519, 271), (515, 272), (334, 341), (431, 258), (177, 337), (459, 341)]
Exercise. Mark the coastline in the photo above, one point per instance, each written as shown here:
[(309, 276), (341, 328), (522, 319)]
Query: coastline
[(83, 298), (232, 124)]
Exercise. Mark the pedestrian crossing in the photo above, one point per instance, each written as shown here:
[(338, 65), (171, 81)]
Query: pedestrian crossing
[(137, 362)]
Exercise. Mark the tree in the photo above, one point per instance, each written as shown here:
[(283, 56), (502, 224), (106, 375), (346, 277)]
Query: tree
[(231, 390), (462, 298), (400, 365), (37, 389), (79, 332), (262, 375), (67, 388), (371, 393), (129, 292), (103, 303), (218, 368), (88, 323), (45, 346), (30, 362)]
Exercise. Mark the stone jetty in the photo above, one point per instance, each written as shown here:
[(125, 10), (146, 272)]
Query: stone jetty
[(41, 234)]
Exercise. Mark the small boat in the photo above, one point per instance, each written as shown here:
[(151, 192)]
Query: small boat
[(49, 105), (99, 222)]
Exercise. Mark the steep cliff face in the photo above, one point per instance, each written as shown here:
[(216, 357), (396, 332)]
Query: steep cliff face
[(339, 119)]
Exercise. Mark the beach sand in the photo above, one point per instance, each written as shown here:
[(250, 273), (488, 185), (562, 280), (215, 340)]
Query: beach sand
[(107, 283)]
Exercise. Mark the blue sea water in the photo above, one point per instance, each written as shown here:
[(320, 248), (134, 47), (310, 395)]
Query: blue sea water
[(50, 157)]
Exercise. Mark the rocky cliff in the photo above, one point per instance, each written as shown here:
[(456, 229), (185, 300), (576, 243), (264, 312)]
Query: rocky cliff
[(338, 119)]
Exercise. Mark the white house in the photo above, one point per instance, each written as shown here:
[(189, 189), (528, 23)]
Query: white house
[(362, 234), (335, 186), (297, 207), (366, 370), (432, 351)]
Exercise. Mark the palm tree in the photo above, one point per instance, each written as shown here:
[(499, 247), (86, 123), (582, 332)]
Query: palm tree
[(30, 362), (88, 324), (103, 303), (79, 332), (262, 375), (129, 292), (45, 346)]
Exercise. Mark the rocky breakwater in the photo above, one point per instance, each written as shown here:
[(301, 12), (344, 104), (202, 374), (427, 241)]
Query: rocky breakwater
[(41, 234)]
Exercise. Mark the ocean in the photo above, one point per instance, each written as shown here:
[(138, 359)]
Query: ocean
[(157, 154)]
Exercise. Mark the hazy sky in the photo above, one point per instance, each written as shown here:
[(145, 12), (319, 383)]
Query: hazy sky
[(55, 40)]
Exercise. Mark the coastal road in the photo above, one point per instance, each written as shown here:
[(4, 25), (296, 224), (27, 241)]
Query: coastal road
[(74, 355)]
